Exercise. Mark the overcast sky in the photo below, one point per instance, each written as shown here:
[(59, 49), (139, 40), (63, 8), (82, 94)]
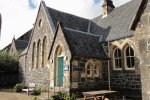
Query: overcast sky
[(18, 16)]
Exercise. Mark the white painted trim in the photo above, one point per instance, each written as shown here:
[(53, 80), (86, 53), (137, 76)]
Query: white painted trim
[(114, 68), (125, 60)]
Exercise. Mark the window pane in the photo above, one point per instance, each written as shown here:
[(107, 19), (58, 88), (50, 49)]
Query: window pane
[(128, 62), (127, 52), (119, 53), (132, 61), (95, 72), (116, 54), (88, 67), (117, 58), (130, 57), (88, 72), (132, 52), (120, 64)]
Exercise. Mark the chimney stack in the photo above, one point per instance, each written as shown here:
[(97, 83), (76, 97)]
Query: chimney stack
[(107, 7)]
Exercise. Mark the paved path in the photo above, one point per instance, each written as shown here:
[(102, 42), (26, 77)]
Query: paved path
[(14, 96)]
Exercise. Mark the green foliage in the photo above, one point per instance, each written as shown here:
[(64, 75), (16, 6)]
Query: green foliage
[(18, 88), (64, 96), (37, 92), (9, 62), (34, 98)]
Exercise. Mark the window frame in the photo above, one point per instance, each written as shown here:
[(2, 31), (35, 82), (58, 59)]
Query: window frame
[(97, 70), (130, 56), (90, 69), (114, 59)]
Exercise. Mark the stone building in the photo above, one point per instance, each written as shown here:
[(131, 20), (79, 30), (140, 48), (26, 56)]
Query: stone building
[(18, 45), (110, 51)]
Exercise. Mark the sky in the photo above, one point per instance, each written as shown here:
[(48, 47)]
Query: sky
[(18, 16)]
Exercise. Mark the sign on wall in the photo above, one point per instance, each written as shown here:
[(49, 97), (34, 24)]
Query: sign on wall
[(66, 67)]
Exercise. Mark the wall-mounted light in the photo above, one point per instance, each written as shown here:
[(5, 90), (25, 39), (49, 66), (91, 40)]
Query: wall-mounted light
[(51, 61), (65, 58)]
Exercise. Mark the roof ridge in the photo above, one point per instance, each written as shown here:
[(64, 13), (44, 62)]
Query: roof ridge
[(86, 33), (66, 13)]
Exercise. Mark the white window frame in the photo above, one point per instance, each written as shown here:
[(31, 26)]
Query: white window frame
[(114, 63), (97, 70), (89, 75), (125, 58)]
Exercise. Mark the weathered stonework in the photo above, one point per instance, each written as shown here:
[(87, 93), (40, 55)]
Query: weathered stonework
[(128, 82), (60, 42), (142, 34), (79, 79), (40, 75)]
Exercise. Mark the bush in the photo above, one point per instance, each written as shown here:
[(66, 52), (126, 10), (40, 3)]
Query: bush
[(37, 92), (34, 98), (18, 88), (64, 96)]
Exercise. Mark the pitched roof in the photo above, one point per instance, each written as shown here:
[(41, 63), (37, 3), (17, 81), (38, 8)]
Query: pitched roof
[(68, 20), (83, 35), (25, 36), (84, 44), (116, 24), (21, 44)]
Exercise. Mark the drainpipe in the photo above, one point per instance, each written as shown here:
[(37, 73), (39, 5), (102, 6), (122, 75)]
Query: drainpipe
[(109, 66)]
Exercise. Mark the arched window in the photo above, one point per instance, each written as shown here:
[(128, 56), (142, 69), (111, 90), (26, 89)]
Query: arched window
[(33, 56), (39, 54), (89, 70), (44, 52), (96, 71), (129, 57), (117, 63)]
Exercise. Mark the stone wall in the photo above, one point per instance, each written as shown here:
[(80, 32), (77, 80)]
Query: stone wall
[(127, 82), (79, 79), (60, 42), (40, 75), (143, 35)]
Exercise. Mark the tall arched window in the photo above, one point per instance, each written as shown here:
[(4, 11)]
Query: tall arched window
[(39, 54), (129, 57), (33, 55), (117, 63), (44, 52)]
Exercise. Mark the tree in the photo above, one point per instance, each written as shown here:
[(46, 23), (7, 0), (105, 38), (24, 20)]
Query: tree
[(9, 62)]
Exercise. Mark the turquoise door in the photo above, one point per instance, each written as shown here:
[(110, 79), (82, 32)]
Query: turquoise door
[(60, 71)]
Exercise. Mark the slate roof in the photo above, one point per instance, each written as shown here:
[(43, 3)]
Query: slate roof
[(68, 20), (21, 44), (116, 25), (25, 36), (84, 45)]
